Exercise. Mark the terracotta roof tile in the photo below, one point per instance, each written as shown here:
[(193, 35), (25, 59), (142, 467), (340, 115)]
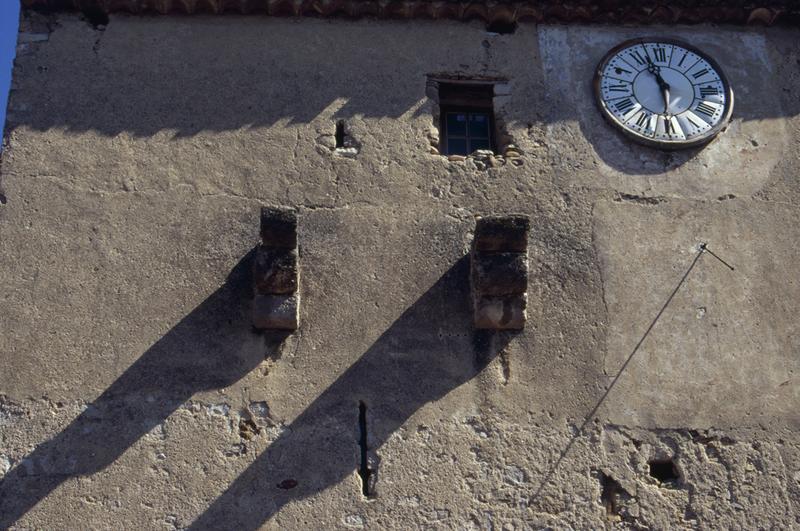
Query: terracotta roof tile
[(553, 11)]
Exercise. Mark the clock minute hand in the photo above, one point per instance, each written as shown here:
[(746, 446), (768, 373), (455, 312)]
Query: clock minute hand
[(663, 85)]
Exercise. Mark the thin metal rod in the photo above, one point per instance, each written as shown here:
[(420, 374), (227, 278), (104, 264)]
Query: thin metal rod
[(704, 247), (621, 370)]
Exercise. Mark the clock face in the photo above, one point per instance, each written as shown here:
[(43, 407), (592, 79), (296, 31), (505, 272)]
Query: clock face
[(663, 93)]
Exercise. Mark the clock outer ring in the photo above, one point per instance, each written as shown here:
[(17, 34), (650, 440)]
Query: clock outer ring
[(652, 142)]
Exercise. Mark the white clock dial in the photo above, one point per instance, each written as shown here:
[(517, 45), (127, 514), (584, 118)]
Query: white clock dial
[(663, 93)]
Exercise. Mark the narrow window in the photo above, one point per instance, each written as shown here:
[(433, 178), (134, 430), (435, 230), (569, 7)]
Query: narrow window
[(339, 134), (466, 119)]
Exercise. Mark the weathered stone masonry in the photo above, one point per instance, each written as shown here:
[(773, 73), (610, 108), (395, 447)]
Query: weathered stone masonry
[(275, 271), (499, 272), (138, 154)]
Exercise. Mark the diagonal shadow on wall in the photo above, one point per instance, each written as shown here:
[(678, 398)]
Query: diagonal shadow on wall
[(210, 348), (426, 353)]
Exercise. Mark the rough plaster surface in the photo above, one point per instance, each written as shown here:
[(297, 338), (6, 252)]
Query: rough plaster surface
[(136, 394), (756, 138)]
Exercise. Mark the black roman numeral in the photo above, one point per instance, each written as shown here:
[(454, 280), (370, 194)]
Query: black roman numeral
[(660, 54), (618, 88), (638, 57), (700, 73), (706, 109), (709, 91), (643, 119), (623, 105), (668, 126), (682, 59)]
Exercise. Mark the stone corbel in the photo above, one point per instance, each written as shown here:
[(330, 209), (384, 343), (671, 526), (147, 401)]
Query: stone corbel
[(275, 272), (499, 272)]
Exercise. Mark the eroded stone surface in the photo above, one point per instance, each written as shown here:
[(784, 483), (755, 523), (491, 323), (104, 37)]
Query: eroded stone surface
[(275, 270), (135, 390)]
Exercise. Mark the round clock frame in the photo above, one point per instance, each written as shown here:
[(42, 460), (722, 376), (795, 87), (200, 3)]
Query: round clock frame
[(695, 141)]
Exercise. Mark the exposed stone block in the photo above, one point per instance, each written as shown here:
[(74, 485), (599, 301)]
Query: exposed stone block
[(499, 273), (279, 312), (276, 303), (501, 233), (279, 227), (275, 270), (500, 313)]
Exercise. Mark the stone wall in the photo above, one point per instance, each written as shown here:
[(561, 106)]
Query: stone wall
[(136, 393)]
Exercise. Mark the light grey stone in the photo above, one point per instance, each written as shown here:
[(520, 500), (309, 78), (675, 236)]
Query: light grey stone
[(504, 312), (32, 37)]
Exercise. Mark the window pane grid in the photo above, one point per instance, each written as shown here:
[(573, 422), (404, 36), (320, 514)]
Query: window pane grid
[(467, 132)]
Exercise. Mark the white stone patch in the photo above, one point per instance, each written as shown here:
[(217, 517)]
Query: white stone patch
[(409, 501), (514, 475), (5, 465), (259, 409), (218, 409), (272, 433), (353, 520)]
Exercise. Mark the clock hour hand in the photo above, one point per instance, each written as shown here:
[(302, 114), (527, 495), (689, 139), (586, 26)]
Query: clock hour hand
[(663, 85)]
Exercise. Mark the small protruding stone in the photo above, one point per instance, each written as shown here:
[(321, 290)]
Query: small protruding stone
[(327, 141), (275, 270), (502, 233), (500, 313), (349, 152), (277, 312), (456, 158), (279, 227)]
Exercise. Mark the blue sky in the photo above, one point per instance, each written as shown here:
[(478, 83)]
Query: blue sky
[(9, 17)]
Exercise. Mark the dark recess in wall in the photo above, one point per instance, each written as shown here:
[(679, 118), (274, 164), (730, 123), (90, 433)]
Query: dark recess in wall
[(664, 471), (501, 26), (95, 16)]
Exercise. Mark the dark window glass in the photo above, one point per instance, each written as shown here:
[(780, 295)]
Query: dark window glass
[(479, 125), (456, 124), (479, 143), (457, 146), (466, 131)]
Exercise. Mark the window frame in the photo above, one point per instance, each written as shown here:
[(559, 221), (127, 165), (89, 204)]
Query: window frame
[(444, 110)]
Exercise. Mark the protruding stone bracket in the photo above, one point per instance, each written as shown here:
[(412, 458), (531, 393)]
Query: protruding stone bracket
[(275, 271), (499, 272)]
